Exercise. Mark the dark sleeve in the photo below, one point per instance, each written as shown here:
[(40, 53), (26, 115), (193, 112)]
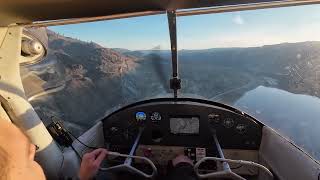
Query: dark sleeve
[(183, 171)]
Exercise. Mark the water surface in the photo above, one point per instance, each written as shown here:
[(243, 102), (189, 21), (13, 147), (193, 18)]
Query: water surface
[(295, 116)]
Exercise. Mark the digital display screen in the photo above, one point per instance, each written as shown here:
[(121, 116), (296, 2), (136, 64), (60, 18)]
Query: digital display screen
[(184, 125)]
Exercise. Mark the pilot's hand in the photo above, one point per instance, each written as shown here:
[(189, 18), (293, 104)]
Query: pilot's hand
[(180, 159), (91, 163)]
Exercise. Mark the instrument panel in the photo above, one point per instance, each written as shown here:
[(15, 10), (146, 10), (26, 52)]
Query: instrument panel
[(182, 122)]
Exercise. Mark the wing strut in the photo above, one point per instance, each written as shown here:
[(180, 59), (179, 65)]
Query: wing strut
[(175, 82)]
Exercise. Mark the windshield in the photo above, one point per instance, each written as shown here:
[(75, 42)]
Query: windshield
[(264, 62)]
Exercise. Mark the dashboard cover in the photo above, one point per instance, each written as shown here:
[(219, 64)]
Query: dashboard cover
[(182, 122)]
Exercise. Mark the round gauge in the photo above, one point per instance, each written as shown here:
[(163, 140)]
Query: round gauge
[(215, 118), (141, 116), (155, 116), (228, 122), (241, 128)]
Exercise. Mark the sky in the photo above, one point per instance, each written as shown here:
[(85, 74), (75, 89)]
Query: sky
[(235, 29)]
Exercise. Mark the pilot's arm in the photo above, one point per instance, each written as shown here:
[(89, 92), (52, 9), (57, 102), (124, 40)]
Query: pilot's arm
[(90, 163)]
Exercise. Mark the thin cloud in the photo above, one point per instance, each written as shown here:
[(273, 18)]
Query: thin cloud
[(238, 20)]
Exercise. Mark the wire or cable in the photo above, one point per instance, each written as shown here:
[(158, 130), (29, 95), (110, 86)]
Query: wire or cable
[(77, 153), (90, 147)]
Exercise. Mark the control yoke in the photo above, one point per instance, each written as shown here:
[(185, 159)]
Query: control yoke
[(226, 172), (127, 163)]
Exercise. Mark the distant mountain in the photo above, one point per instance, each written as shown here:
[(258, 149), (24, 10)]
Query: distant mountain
[(80, 82), (121, 50), (295, 66)]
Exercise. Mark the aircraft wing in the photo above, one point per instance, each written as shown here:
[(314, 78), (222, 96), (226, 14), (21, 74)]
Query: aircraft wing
[(28, 11)]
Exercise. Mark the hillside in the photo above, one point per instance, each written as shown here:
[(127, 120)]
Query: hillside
[(80, 82), (77, 79), (293, 67)]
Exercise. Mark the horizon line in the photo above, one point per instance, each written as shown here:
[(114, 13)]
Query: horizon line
[(226, 47)]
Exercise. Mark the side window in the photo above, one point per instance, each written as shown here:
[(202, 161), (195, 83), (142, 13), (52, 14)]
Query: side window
[(92, 69)]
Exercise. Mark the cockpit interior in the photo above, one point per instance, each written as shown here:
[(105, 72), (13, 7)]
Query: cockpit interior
[(161, 129)]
